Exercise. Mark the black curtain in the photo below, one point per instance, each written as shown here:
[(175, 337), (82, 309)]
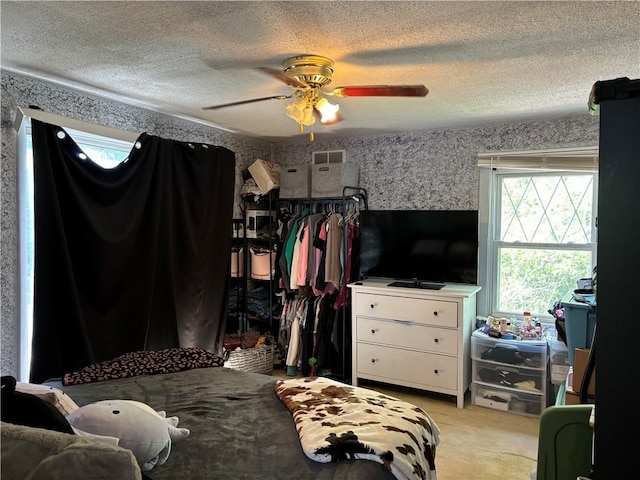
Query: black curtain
[(132, 258)]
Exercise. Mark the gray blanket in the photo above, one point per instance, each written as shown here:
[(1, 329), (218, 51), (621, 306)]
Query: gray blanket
[(239, 427)]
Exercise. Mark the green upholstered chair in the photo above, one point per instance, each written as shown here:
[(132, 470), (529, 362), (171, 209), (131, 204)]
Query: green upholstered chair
[(565, 443)]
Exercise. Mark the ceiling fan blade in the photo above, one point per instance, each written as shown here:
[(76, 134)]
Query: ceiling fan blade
[(283, 77), (243, 102), (381, 91)]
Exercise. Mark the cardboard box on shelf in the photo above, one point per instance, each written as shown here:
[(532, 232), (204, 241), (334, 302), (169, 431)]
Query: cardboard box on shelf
[(266, 174), (580, 357), (573, 398)]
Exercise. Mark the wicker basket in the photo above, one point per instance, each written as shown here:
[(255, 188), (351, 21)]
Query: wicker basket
[(257, 360)]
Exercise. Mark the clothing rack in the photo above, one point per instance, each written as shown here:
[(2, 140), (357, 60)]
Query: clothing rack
[(352, 197)]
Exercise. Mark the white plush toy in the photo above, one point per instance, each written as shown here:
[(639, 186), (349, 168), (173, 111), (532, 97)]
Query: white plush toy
[(139, 428)]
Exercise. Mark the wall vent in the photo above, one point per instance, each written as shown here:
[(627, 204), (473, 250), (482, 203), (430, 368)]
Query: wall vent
[(329, 156)]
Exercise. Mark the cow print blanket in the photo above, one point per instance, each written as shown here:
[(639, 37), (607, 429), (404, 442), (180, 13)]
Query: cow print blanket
[(336, 421)]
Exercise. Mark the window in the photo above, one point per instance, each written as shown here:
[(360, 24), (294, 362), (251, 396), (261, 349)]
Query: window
[(539, 237), (104, 151)]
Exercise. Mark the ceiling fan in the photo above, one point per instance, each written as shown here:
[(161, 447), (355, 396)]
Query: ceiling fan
[(309, 76)]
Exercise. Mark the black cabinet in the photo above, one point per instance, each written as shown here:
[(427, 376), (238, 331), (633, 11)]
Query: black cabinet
[(616, 412)]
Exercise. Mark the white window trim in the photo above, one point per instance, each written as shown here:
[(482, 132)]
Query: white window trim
[(23, 113)]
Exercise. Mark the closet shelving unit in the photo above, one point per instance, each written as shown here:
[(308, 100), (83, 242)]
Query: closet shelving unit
[(267, 202), (357, 198), (238, 273)]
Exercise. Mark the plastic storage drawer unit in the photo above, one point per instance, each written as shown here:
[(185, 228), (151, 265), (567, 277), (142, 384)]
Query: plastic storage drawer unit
[(509, 375)]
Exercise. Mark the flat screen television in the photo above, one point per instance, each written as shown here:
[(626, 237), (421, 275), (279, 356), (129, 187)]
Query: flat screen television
[(420, 248)]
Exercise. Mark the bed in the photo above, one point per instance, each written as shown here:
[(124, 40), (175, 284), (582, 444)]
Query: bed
[(240, 427)]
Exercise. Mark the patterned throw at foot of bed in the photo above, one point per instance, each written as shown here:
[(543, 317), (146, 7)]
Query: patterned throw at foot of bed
[(336, 421)]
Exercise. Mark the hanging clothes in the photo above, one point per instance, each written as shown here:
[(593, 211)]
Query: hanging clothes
[(351, 265), (313, 223), (295, 338), (296, 257), (303, 261), (316, 264), (333, 267)]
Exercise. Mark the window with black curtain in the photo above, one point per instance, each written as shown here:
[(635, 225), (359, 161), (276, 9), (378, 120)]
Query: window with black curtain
[(130, 258)]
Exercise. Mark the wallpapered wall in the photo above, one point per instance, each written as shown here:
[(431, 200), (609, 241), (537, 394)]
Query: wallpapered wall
[(434, 169)]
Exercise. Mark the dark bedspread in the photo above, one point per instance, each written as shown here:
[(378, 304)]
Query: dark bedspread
[(239, 427)]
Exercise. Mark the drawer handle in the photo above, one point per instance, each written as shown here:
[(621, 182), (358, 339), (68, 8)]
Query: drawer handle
[(373, 331), (403, 322), (436, 340), (374, 360), (435, 314), (373, 305), (436, 371)]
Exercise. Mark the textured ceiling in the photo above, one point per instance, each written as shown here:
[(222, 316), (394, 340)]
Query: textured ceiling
[(482, 61)]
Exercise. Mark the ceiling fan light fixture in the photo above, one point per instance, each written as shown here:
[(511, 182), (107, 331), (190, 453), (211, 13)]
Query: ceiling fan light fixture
[(327, 110), (293, 113), (300, 103), (308, 117), (295, 109)]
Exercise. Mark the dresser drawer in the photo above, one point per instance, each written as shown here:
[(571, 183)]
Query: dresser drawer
[(416, 367), (401, 333), (419, 310)]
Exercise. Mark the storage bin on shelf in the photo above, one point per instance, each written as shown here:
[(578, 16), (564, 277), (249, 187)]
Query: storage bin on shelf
[(295, 181), (509, 375), (579, 323), (328, 180), (258, 359), (558, 361), (237, 262), (263, 262)]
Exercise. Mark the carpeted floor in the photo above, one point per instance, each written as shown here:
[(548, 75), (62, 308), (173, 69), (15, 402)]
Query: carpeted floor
[(476, 442)]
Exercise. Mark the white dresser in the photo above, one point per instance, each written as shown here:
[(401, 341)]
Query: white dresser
[(413, 337)]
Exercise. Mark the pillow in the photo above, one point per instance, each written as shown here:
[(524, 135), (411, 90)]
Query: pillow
[(105, 439), (25, 409), (139, 428), (54, 396), (35, 453), (144, 362)]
